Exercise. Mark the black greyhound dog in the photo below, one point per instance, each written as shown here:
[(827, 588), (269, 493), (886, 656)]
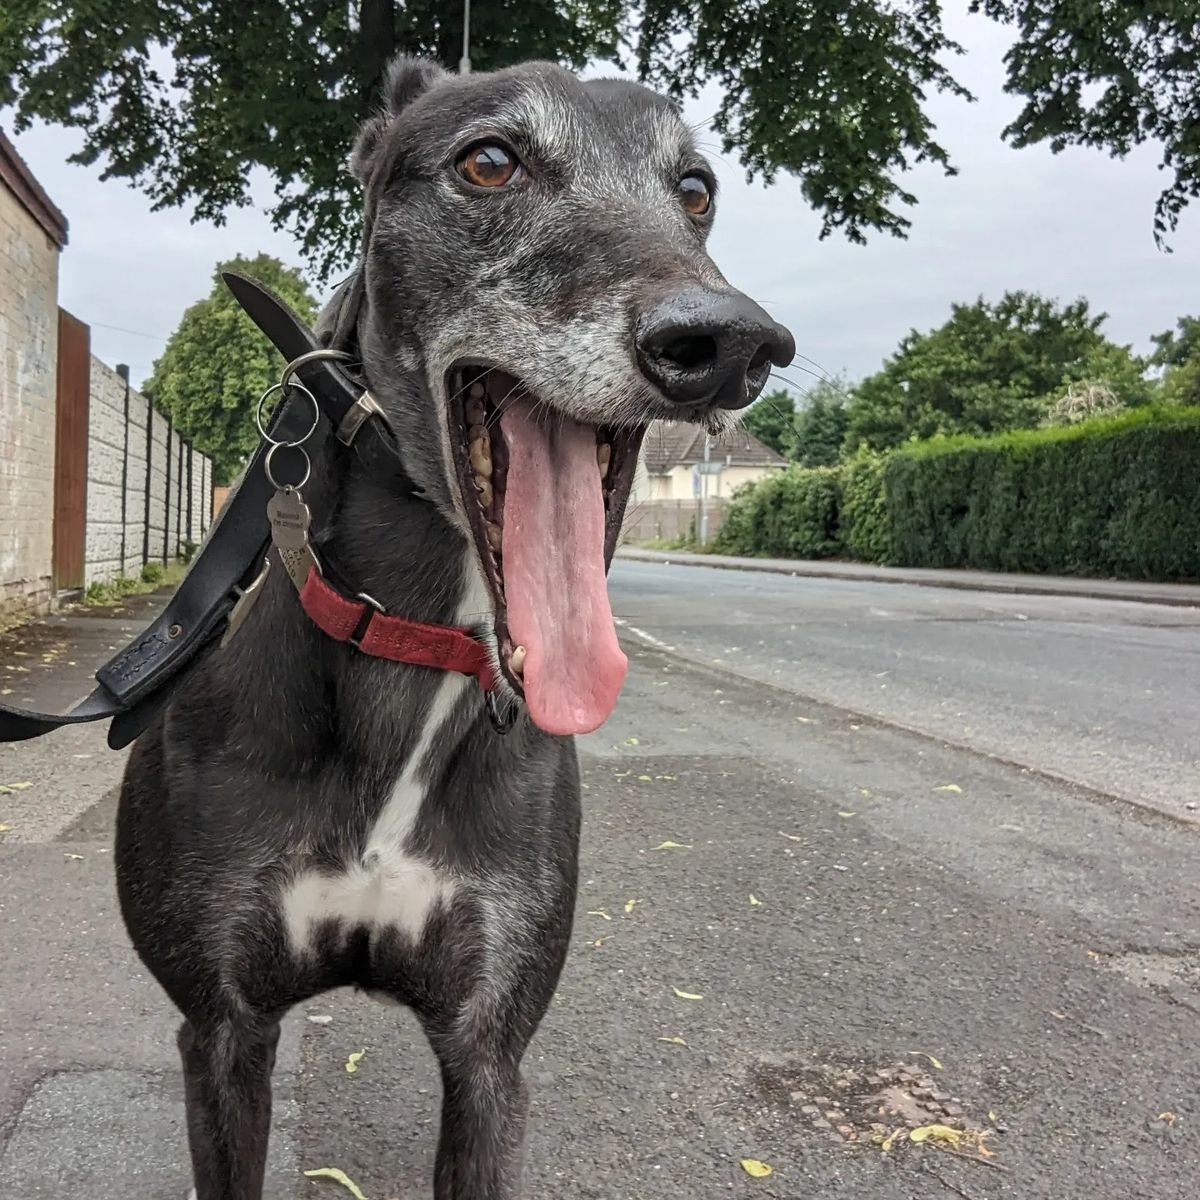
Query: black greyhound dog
[(534, 290)]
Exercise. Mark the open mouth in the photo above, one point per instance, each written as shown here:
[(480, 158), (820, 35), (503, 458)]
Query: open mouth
[(545, 494)]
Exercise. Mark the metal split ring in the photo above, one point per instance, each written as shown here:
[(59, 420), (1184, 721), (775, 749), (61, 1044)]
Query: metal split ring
[(324, 354), (288, 487), (280, 387)]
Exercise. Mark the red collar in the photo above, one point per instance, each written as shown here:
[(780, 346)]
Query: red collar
[(365, 626)]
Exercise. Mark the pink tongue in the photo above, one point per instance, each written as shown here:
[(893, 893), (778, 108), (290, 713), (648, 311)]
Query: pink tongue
[(554, 573)]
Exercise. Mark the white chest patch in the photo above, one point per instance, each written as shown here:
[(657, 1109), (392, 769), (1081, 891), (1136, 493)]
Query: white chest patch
[(389, 888)]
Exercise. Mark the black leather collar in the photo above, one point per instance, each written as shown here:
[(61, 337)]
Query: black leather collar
[(137, 682)]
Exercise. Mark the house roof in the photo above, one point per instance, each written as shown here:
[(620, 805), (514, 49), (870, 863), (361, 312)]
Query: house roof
[(668, 445), (18, 178)]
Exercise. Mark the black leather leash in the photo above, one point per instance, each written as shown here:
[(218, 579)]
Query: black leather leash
[(137, 682)]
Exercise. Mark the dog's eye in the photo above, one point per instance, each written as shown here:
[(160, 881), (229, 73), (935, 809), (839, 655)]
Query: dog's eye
[(488, 166), (694, 195)]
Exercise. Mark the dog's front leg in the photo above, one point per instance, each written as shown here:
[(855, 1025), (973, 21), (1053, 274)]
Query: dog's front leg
[(227, 1077), (484, 1104)]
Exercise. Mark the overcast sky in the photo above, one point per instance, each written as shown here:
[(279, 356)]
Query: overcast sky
[(1075, 224)]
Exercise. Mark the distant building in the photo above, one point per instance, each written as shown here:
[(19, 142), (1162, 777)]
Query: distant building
[(672, 463)]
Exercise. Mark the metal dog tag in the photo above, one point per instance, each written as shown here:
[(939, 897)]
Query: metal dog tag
[(290, 519)]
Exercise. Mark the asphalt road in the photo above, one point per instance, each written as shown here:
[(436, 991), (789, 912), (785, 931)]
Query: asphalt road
[(1028, 947), (1103, 693)]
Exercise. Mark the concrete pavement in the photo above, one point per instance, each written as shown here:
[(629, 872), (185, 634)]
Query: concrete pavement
[(922, 908)]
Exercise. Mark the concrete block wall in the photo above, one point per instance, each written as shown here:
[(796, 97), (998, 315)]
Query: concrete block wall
[(107, 447), (28, 382)]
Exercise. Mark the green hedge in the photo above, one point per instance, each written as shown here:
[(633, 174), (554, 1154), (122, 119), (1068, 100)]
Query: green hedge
[(792, 514), (1113, 497)]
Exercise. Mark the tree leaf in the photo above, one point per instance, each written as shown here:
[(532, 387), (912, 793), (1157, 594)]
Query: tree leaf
[(598, 912), (353, 1061), (338, 1177), (675, 1041), (755, 902), (948, 787), (686, 995), (936, 1133), (630, 905), (672, 846), (756, 1169)]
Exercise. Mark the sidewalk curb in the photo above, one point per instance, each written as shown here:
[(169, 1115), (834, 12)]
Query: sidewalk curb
[(1188, 595)]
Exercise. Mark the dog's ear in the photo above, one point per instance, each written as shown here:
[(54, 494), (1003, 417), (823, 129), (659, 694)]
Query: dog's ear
[(405, 80)]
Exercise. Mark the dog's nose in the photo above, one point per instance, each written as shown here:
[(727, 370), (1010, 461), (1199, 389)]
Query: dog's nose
[(702, 346)]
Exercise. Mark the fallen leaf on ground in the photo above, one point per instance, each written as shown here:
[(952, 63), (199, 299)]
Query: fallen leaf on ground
[(755, 1169), (805, 720), (630, 905), (948, 787), (24, 785), (685, 995), (844, 813), (791, 837), (1169, 1117), (937, 1066), (675, 1041), (864, 791), (73, 857), (353, 1061), (672, 846), (889, 1141), (320, 1018), (4, 828), (1057, 1015), (632, 741), (601, 940), (967, 1142), (936, 1133), (670, 777), (337, 1177), (599, 912), (645, 779), (1093, 954), (5, 691), (755, 902)]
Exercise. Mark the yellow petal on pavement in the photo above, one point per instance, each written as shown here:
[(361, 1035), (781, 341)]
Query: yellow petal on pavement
[(630, 905), (645, 779), (755, 1169), (24, 785), (4, 828), (889, 1141), (791, 837), (73, 857), (338, 1177), (632, 741), (675, 1041), (599, 912), (755, 902), (685, 995), (672, 846), (844, 813), (935, 1063), (353, 1061), (948, 787)]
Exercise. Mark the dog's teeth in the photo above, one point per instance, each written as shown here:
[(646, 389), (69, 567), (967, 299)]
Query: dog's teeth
[(517, 661), (603, 458), (478, 433), (477, 390), (495, 536), (481, 458), (484, 488)]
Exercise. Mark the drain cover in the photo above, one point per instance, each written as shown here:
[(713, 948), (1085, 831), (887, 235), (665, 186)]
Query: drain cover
[(860, 1103)]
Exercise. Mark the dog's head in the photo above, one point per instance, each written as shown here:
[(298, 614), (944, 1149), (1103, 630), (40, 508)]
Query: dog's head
[(537, 290)]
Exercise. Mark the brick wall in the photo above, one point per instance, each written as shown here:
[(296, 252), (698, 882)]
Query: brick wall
[(28, 358), (168, 510)]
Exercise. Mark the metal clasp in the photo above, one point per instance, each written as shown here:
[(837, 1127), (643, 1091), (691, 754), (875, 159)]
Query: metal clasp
[(245, 602)]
